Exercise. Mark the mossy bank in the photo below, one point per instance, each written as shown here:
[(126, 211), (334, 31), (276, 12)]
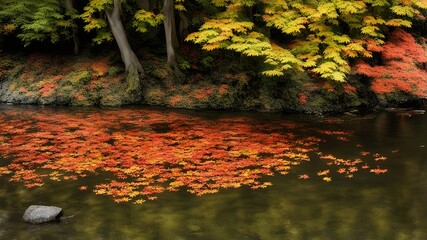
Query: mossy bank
[(89, 80)]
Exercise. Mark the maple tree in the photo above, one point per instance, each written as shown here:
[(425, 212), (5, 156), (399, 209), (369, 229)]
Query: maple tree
[(402, 66), (148, 15), (323, 39), (31, 21), (320, 36), (94, 18), (147, 152)]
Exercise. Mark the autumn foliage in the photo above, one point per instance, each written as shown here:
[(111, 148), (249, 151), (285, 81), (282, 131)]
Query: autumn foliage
[(294, 55), (143, 153), (402, 68), (320, 36)]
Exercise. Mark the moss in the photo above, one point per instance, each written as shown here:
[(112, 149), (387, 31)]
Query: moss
[(85, 81), (396, 99), (30, 98), (113, 71), (18, 96), (47, 100), (225, 98), (179, 101), (77, 78), (158, 69), (16, 71), (63, 95), (79, 98), (134, 83), (271, 104), (7, 64), (112, 100), (154, 96), (250, 104), (161, 73)]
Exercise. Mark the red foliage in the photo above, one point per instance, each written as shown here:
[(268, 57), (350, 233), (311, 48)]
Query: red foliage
[(401, 56), (22, 90), (57, 78), (79, 96), (150, 152), (176, 100), (203, 93), (371, 45), (402, 45), (310, 86), (99, 66), (349, 89), (326, 85), (48, 89), (223, 89), (302, 99)]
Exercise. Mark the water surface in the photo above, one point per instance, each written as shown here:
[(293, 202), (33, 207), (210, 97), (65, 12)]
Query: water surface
[(144, 173)]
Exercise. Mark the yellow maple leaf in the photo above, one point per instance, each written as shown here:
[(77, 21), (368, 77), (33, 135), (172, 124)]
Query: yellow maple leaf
[(327, 179)]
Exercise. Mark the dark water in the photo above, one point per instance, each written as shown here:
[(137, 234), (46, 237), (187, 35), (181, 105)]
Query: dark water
[(391, 205)]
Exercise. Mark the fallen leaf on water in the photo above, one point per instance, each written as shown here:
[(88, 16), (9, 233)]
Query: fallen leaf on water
[(378, 170), (327, 179), (146, 152), (363, 153), (380, 158), (303, 176), (322, 173)]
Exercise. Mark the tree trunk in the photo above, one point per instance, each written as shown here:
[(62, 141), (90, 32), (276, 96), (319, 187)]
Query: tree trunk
[(132, 64), (184, 24), (144, 4), (170, 31), (69, 6)]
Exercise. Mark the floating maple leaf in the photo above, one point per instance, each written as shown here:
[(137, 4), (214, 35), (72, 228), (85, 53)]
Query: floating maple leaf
[(322, 173), (378, 170), (303, 176), (327, 179), (149, 152)]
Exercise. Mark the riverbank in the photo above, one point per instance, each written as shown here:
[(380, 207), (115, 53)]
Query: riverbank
[(89, 80)]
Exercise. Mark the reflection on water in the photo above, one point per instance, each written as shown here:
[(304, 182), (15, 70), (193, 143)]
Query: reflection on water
[(214, 152)]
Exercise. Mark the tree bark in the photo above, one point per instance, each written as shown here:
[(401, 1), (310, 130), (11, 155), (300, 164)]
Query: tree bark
[(132, 65), (69, 6), (170, 31), (128, 56), (144, 4), (184, 24)]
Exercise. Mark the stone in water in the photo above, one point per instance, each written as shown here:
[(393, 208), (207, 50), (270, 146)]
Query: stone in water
[(38, 214)]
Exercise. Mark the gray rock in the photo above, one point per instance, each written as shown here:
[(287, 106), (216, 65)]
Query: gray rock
[(38, 214)]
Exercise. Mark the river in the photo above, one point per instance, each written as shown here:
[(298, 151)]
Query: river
[(154, 173)]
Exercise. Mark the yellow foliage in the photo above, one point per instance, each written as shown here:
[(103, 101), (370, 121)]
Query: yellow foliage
[(421, 3), (180, 7), (211, 46), (398, 23), (320, 43), (144, 19), (403, 10), (8, 28), (273, 73)]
